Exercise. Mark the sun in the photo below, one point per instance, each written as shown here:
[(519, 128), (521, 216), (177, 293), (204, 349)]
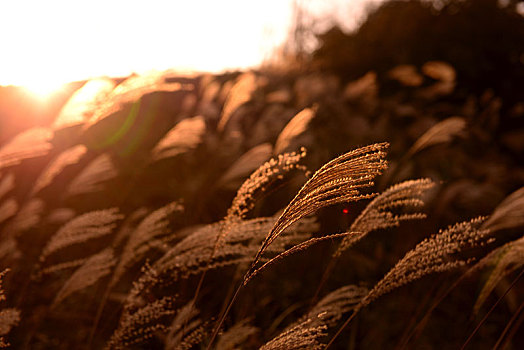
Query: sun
[(42, 87)]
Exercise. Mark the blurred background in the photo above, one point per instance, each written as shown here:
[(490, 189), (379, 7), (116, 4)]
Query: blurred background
[(48, 44)]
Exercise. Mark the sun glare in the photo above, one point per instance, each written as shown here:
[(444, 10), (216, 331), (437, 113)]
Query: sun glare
[(54, 42), (42, 89)]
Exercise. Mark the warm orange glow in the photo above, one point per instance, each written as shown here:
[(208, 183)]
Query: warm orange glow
[(49, 43), (43, 89)]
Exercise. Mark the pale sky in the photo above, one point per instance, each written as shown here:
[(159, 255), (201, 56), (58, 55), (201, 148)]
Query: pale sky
[(45, 43)]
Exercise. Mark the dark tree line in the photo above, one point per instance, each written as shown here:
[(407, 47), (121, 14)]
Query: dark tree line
[(482, 39)]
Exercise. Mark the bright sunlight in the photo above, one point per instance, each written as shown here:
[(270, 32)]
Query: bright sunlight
[(48, 43), (57, 41)]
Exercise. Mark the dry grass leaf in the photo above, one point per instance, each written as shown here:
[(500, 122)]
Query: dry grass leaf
[(406, 74), (186, 330), (55, 167), (210, 90), (68, 265), (8, 209), (380, 212), (7, 184), (505, 259), (140, 325), (509, 213), (29, 216), (60, 215), (435, 254), (143, 238), (186, 135), (236, 335), (240, 93), (441, 132), (83, 103), (302, 336), (129, 225), (93, 269), (245, 165), (93, 177), (330, 309), (9, 249), (363, 88), (31, 143), (439, 89), (439, 70), (282, 96), (85, 227), (338, 181), (296, 127), (324, 315)]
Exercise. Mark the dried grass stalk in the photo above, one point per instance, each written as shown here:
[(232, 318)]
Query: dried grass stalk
[(247, 164), (302, 336), (28, 217), (8, 209), (326, 313), (139, 326), (435, 254), (83, 103), (93, 269), (186, 330), (505, 259), (380, 212), (93, 177), (338, 181), (32, 143), (7, 184), (240, 93), (68, 157), (60, 267), (236, 335), (330, 309), (509, 213), (85, 227), (296, 126), (440, 252), (441, 132), (273, 170), (186, 135), (143, 238)]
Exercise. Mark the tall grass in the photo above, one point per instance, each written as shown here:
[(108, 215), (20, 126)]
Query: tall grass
[(137, 241)]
